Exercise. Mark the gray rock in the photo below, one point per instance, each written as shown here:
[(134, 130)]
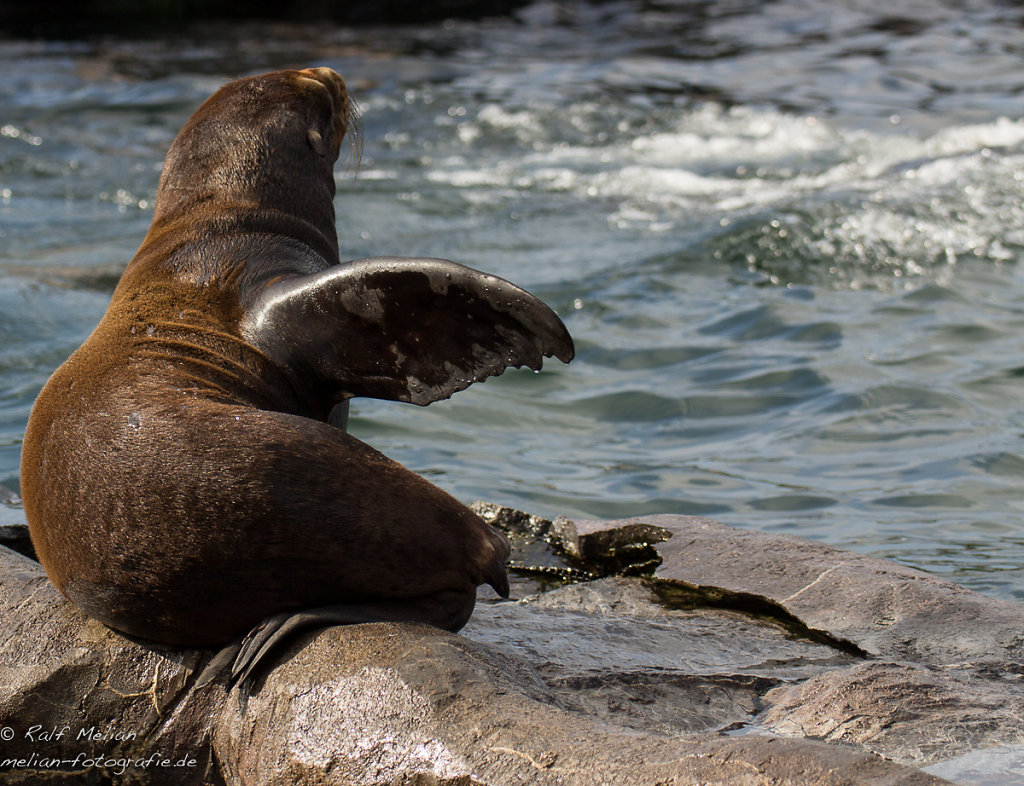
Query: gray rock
[(690, 653), (908, 712), (16, 538), (383, 704), (937, 670), (610, 650), (880, 606), (988, 767), (74, 692), (13, 529)]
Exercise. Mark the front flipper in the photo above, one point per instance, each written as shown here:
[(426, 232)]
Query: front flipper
[(404, 329)]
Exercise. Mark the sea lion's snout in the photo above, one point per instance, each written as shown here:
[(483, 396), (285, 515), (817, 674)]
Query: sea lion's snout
[(342, 108)]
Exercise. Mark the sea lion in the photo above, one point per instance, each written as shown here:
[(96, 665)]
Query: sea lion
[(180, 477)]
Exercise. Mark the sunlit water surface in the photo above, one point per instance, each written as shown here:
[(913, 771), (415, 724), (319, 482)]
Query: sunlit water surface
[(785, 236)]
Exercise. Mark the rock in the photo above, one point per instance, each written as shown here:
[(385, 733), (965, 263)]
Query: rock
[(609, 649), (16, 538), (988, 767), (907, 637), (882, 607), (904, 711), (13, 529), (387, 703), (80, 700), (663, 649)]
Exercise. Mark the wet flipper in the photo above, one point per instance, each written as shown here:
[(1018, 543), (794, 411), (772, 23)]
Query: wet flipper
[(242, 656), (218, 663), (272, 632), (495, 573), (403, 329), (449, 610)]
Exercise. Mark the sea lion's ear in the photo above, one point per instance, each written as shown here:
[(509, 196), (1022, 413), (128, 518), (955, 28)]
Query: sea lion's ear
[(315, 141), (415, 330)]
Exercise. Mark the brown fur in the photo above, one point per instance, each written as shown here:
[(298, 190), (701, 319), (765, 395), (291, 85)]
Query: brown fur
[(181, 487)]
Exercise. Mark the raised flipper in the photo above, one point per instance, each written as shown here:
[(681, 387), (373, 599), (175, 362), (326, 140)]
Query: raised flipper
[(404, 329)]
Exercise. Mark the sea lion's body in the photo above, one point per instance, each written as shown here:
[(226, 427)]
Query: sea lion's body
[(179, 476)]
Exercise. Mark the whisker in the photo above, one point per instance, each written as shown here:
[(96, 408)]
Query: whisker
[(355, 137)]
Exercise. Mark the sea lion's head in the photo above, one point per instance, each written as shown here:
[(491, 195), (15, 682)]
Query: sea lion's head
[(255, 161), (267, 141)]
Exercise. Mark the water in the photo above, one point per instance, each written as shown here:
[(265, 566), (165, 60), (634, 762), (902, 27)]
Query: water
[(785, 235)]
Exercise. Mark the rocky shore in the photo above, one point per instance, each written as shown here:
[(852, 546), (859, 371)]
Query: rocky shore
[(662, 649)]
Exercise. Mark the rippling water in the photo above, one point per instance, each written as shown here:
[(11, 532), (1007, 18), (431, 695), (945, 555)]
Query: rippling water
[(785, 236)]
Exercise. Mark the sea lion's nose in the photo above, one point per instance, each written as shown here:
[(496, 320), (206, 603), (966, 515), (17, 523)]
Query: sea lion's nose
[(330, 79), (338, 91)]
